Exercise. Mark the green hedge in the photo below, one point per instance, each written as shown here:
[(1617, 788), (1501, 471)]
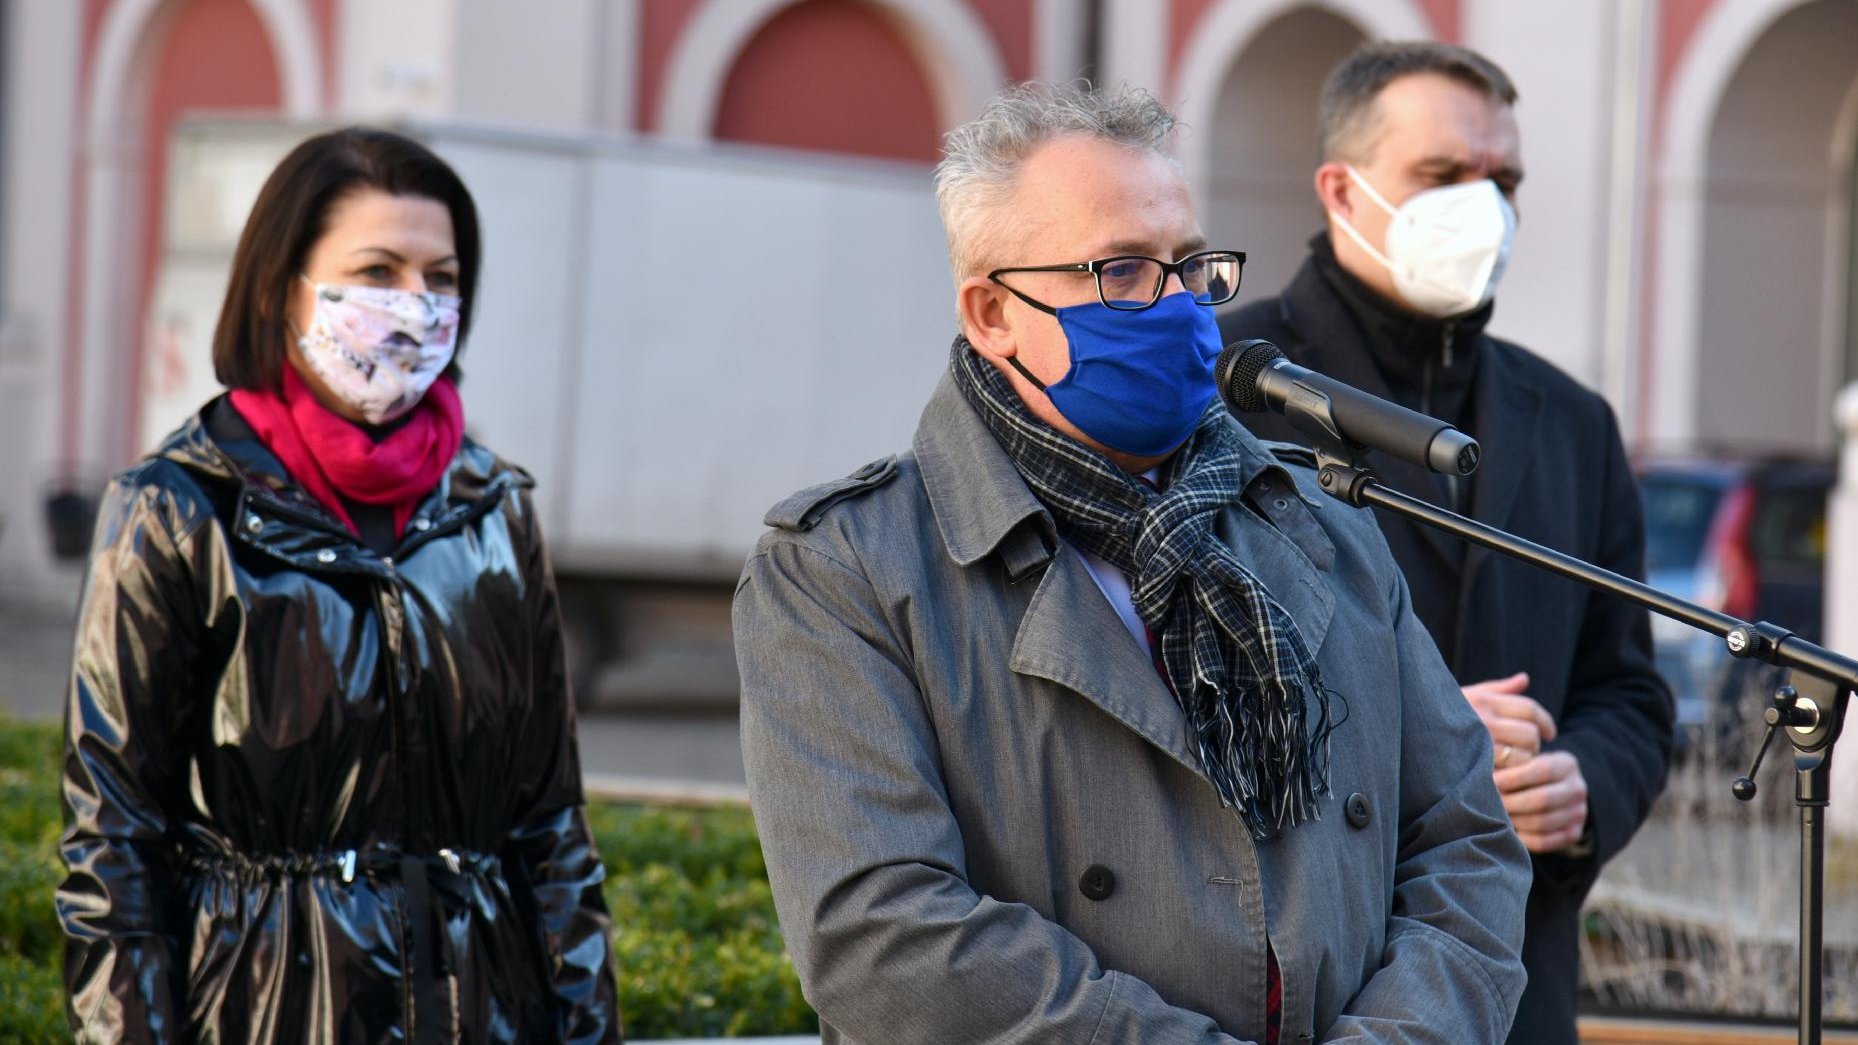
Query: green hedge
[(697, 947)]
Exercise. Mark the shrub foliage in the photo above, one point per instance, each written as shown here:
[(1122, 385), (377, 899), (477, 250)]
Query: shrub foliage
[(696, 944)]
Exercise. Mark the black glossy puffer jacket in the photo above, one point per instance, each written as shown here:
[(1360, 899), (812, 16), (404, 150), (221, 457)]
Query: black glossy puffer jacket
[(317, 794)]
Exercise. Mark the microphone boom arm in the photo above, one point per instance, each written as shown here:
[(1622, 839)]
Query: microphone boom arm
[(1811, 715)]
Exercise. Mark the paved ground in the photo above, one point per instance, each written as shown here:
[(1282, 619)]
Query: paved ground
[(631, 750)]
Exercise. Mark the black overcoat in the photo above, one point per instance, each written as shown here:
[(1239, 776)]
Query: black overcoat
[(1555, 472), (313, 793)]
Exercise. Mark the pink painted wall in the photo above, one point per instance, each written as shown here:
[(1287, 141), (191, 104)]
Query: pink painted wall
[(1447, 18), (834, 76), (1010, 23), (1678, 21), (661, 22)]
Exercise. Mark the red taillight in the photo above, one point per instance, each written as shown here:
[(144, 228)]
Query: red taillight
[(1735, 561)]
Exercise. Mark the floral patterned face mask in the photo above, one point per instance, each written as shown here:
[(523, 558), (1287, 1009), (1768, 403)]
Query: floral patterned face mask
[(379, 349)]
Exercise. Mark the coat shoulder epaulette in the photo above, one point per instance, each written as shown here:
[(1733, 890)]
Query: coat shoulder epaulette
[(1292, 453), (802, 511)]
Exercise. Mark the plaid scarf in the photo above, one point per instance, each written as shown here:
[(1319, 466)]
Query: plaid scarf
[(1233, 656)]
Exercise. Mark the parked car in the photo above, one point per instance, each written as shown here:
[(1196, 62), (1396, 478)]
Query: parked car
[(1747, 538)]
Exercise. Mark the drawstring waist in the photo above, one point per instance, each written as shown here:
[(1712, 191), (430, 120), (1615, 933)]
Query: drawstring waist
[(427, 1004), (347, 864)]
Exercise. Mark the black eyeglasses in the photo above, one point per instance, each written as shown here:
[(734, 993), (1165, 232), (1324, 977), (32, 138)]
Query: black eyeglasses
[(1133, 282)]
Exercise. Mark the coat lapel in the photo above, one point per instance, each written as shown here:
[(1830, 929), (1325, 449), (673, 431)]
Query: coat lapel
[(1071, 636), (1292, 577), (1332, 345), (1507, 408)]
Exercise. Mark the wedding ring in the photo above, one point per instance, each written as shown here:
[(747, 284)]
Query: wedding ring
[(1503, 755)]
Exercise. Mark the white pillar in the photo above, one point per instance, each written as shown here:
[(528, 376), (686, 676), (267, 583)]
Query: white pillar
[(39, 71), (1135, 44), (1561, 57), (396, 59), (1842, 599), (1058, 31)]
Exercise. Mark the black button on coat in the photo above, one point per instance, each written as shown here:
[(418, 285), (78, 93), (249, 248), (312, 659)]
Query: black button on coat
[(1097, 883), (315, 793)]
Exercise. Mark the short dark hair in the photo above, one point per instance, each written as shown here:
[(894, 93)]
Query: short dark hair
[(1349, 110), (292, 213)]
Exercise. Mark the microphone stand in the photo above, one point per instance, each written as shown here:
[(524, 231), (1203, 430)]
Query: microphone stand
[(1810, 708)]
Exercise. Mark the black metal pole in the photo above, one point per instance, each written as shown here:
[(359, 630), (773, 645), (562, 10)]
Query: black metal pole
[(1774, 645), (1834, 677), (1812, 792), (1811, 722), (1812, 883)]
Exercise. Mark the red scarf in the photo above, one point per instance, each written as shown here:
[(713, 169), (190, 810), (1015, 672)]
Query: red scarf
[(333, 458)]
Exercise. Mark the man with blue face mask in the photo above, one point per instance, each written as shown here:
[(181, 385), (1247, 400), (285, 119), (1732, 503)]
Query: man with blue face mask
[(1087, 719), (1421, 163)]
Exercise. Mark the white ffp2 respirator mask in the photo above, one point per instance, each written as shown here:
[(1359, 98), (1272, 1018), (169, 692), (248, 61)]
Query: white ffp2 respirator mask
[(1446, 247)]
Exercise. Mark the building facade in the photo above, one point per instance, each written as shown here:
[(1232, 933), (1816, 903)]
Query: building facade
[(1688, 223)]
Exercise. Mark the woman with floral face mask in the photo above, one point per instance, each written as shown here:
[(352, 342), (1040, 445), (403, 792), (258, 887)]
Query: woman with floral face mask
[(321, 778)]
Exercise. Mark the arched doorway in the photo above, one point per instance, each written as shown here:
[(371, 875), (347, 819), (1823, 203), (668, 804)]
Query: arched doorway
[(1247, 90), (947, 41), (1258, 194), (153, 60), (1772, 263), (834, 76)]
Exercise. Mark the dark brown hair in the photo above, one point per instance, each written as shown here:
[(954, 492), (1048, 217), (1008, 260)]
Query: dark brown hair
[(292, 213), (1349, 110)]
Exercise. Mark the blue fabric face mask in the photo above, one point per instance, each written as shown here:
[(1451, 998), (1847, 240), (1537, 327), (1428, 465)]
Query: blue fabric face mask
[(1139, 381)]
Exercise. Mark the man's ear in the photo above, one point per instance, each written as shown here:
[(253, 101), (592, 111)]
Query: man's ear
[(981, 304), (1335, 191)]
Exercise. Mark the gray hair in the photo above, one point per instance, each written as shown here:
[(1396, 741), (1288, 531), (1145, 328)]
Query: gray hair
[(981, 158), (1350, 114)]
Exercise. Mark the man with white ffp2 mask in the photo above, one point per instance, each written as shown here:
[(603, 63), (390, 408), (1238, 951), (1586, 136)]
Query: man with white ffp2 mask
[(1421, 163)]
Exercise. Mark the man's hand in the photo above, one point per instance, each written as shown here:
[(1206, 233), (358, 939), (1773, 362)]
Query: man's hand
[(1546, 798), (1518, 725)]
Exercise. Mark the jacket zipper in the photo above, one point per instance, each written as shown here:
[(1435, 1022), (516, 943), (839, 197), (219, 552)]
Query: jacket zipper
[(393, 633), (1454, 485)]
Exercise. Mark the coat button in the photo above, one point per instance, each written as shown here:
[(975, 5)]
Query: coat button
[(1098, 882), (254, 523), (422, 524), (1358, 813), (325, 556)]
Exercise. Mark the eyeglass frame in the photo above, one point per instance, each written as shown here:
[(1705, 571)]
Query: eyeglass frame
[(1168, 268)]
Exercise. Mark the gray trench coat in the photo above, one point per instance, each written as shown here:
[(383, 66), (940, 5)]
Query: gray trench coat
[(983, 818)]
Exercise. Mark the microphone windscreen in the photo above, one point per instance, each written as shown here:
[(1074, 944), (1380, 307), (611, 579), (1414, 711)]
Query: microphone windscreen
[(1237, 373)]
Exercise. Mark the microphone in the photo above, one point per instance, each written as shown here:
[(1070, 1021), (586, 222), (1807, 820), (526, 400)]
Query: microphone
[(1254, 376)]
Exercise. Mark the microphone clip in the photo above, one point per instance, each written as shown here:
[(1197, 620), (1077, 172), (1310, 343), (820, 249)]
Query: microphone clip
[(1338, 459)]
